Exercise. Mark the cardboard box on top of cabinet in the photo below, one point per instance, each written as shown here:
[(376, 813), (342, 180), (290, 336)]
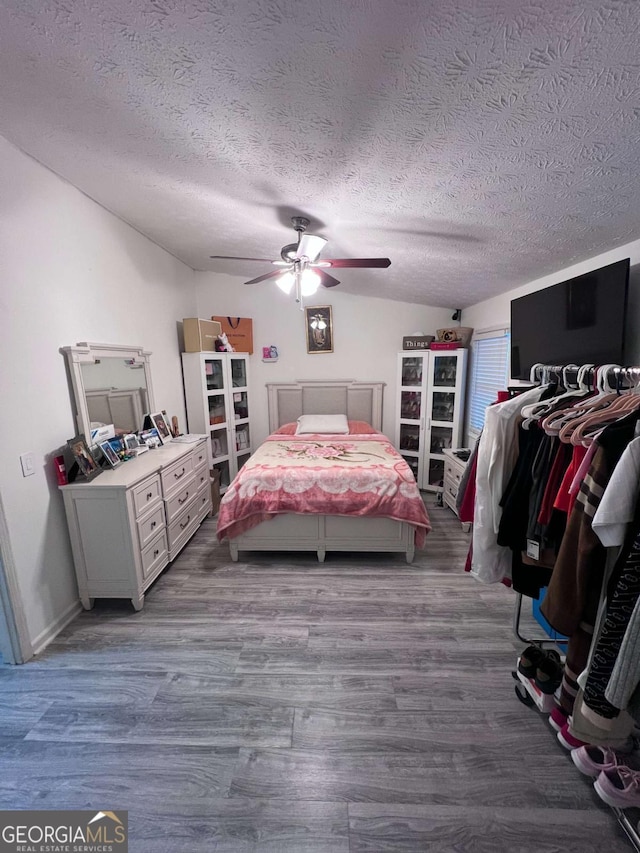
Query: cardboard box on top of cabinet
[(200, 335)]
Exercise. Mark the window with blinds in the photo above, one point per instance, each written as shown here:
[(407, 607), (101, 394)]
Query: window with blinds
[(489, 374)]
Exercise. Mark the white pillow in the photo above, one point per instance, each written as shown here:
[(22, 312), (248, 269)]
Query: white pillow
[(329, 424)]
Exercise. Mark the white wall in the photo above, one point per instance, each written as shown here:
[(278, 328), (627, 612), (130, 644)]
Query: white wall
[(70, 272), (367, 336), (496, 311)]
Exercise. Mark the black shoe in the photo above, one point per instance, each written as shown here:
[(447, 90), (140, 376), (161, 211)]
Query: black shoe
[(549, 671), (529, 660)]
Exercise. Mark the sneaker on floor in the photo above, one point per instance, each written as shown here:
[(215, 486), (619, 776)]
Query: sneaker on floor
[(619, 788), (529, 660), (568, 740), (592, 760), (549, 673), (557, 719)]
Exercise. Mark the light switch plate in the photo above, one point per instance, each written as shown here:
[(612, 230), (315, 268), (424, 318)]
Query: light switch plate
[(26, 460)]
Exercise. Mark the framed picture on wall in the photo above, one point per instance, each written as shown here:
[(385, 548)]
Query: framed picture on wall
[(319, 326)]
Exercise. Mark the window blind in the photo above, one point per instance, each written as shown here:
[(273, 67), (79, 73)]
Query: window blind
[(488, 375)]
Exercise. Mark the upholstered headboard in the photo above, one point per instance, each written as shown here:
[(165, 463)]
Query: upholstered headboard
[(359, 401)]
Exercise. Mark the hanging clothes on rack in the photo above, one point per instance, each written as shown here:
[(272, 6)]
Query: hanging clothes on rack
[(497, 454), (571, 603)]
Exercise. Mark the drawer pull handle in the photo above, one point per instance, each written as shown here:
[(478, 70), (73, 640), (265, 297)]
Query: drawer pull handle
[(181, 474), (156, 552), (186, 524), (149, 495), (185, 498), (153, 524)]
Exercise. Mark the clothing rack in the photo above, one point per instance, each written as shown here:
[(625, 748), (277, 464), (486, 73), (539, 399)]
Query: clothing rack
[(615, 378)]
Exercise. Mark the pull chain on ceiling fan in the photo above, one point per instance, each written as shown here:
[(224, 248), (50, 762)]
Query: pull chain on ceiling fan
[(302, 269)]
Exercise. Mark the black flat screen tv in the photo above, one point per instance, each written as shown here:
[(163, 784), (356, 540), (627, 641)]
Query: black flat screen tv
[(579, 321)]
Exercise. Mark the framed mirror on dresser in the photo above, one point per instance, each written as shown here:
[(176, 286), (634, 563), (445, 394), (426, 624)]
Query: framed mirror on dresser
[(127, 524), (111, 384)]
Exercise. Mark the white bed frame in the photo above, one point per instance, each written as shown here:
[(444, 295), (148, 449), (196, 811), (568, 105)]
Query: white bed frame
[(321, 533)]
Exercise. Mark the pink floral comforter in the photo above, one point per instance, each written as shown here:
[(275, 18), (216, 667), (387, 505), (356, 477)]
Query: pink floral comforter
[(358, 475)]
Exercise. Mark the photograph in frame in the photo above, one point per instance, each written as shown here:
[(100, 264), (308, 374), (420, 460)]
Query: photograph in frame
[(319, 327), (160, 423), (109, 453), (82, 456)]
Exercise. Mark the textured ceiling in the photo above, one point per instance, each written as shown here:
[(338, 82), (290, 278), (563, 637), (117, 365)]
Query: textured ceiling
[(477, 144)]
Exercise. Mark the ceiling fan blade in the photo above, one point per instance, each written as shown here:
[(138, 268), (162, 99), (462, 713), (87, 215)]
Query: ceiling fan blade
[(232, 258), (359, 262), (264, 277), (310, 246), (326, 280)]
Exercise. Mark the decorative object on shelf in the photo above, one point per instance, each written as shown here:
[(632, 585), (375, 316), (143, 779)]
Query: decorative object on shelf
[(83, 458), (61, 470), (460, 336), (200, 335), (222, 344), (319, 324), (131, 441), (239, 333), (417, 341), (109, 454), (150, 438)]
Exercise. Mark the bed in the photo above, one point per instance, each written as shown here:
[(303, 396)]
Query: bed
[(310, 504)]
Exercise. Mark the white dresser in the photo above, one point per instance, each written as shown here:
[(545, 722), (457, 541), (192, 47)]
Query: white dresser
[(129, 523), (453, 471)]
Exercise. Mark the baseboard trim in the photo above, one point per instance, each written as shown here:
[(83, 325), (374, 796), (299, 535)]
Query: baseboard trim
[(51, 631)]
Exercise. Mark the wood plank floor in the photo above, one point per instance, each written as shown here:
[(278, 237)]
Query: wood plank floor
[(280, 705)]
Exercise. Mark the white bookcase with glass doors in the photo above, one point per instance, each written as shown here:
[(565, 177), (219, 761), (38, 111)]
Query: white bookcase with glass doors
[(430, 411), (216, 386)]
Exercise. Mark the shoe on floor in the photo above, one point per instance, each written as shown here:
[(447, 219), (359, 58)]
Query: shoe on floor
[(619, 788), (529, 660), (549, 673), (592, 760), (557, 718), (568, 740)]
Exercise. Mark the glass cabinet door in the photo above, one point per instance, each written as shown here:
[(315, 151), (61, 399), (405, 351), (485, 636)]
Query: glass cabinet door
[(214, 374)]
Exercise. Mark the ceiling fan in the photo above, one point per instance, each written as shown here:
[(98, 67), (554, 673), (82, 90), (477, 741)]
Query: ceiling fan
[(300, 266)]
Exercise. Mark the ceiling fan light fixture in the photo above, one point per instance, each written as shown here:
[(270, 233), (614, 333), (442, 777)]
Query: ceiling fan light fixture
[(310, 282), (285, 282)]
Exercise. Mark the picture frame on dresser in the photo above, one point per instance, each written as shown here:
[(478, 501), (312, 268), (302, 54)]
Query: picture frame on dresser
[(159, 421), (83, 458), (109, 454)]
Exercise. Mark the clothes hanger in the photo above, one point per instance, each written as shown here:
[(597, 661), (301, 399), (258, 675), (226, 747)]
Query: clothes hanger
[(604, 397), (539, 410), (593, 423), (584, 393)]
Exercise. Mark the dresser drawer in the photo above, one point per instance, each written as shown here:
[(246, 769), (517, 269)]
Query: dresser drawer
[(146, 495), (155, 555), (181, 526), (202, 476), (451, 487), (203, 501), (200, 457), (453, 471), (179, 501), (150, 526), (176, 476)]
